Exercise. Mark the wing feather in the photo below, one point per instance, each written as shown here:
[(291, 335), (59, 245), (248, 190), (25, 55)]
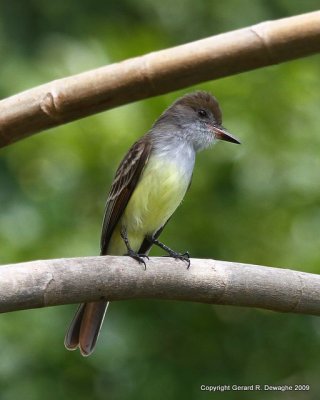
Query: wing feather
[(124, 183)]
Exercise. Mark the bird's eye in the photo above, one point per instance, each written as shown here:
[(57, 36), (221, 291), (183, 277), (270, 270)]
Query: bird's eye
[(202, 113)]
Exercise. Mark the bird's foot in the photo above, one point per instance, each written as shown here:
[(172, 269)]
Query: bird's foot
[(171, 253), (131, 253), (138, 257), (180, 256)]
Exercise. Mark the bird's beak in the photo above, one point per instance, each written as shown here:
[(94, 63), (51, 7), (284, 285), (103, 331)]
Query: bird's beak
[(222, 134)]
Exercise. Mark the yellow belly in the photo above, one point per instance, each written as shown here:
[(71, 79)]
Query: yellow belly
[(159, 192)]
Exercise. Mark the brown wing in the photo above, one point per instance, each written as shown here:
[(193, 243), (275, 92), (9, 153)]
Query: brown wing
[(123, 185)]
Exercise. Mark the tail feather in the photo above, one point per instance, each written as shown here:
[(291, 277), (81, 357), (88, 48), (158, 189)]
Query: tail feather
[(71, 340), (85, 327)]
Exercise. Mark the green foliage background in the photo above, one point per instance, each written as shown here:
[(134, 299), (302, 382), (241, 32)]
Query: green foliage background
[(254, 203)]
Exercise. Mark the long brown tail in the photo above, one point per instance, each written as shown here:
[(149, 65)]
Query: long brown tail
[(85, 327)]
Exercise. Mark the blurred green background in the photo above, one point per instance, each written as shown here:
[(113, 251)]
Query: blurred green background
[(254, 203)]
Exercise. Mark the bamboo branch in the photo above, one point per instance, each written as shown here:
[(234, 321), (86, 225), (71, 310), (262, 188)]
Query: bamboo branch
[(74, 280), (77, 96)]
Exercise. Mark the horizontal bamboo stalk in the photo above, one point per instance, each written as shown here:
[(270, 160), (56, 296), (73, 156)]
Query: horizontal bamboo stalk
[(78, 96), (75, 280)]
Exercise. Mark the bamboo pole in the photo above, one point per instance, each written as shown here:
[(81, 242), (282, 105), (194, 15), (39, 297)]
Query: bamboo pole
[(78, 96), (73, 280)]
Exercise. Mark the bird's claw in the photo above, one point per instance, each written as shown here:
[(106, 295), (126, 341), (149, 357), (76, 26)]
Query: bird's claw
[(181, 256), (138, 257), (185, 257)]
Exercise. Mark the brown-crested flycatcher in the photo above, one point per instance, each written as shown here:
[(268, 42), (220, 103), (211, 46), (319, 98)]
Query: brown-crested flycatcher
[(149, 185)]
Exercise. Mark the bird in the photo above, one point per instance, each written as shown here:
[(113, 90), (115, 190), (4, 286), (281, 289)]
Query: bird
[(149, 184)]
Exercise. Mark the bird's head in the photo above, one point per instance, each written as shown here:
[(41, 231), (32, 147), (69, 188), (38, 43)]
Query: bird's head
[(197, 117)]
